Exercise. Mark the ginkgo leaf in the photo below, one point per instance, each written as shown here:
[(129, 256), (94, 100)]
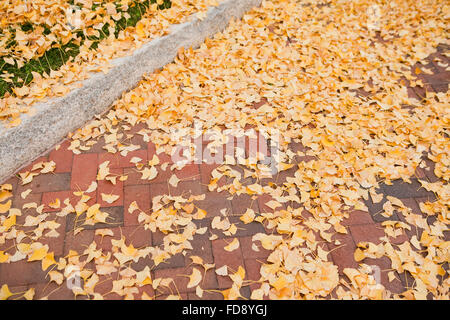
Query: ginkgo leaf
[(4, 207), (38, 254), (9, 222), (48, 260), (199, 292), (200, 214), (4, 292), (222, 271), (196, 260), (201, 230), (48, 167), (3, 257), (5, 194), (103, 170), (174, 180), (56, 277), (322, 253), (133, 206), (248, 216), (109, 198), (359, 255), (92, 187), (135, 160), (280, 283), (194, 278), (55, 204), (272, 204), (149, 173), (29, 295), (25, 193)]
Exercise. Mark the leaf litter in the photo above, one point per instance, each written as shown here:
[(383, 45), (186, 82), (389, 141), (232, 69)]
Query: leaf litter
[(305, 63)]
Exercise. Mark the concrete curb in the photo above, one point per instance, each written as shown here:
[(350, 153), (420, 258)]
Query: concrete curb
[(57, 117)]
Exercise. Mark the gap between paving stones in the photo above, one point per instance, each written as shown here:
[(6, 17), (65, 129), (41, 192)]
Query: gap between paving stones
[(55, 118)]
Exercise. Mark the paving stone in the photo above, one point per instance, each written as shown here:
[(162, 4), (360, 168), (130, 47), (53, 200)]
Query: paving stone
[(84, 171), (240, 204), (180, 279), (55, 244), (108, 188), (252, 268), (213, 207), (21, 273), (188, 172), (249, 253), (222, 257), (52, 291), (186, 189), (78, 242), (50, 197), (62, 157), (367, 233), (175, 261), (182, 296), (381, 268), (140, 194), (133, 177), (375, 210), (135, 235), (158, 189), (342, 253), (48, 182), (401, 189), (115, 219), (357, 217)]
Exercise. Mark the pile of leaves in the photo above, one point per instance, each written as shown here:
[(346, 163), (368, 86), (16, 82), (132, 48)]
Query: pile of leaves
[(303, 63), (46, 46), (40, 37)]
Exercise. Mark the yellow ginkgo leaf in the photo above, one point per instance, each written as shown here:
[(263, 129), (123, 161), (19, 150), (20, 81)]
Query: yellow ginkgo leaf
[(5, 293), (133, 206), (233, 245), (154, 161), (55, 204), (9, 222), (359, 255), (3, 257), (25, 193), (200, 214), (248, 216), (194, 278), (222, 271), (199, 291), (5, 194), (48, 260), (38, 254), (56, 276), (29, 295), (140, 29), (280, 283), (109, 198), (4, 207), (103, 170), (326, 142), (149, 174), (196, 260), (92, 187), (174, 180)]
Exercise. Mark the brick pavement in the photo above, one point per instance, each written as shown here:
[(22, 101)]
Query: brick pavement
[(75, 172)]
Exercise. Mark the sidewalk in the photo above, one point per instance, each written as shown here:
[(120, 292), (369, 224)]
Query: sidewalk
[(301, 233)]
